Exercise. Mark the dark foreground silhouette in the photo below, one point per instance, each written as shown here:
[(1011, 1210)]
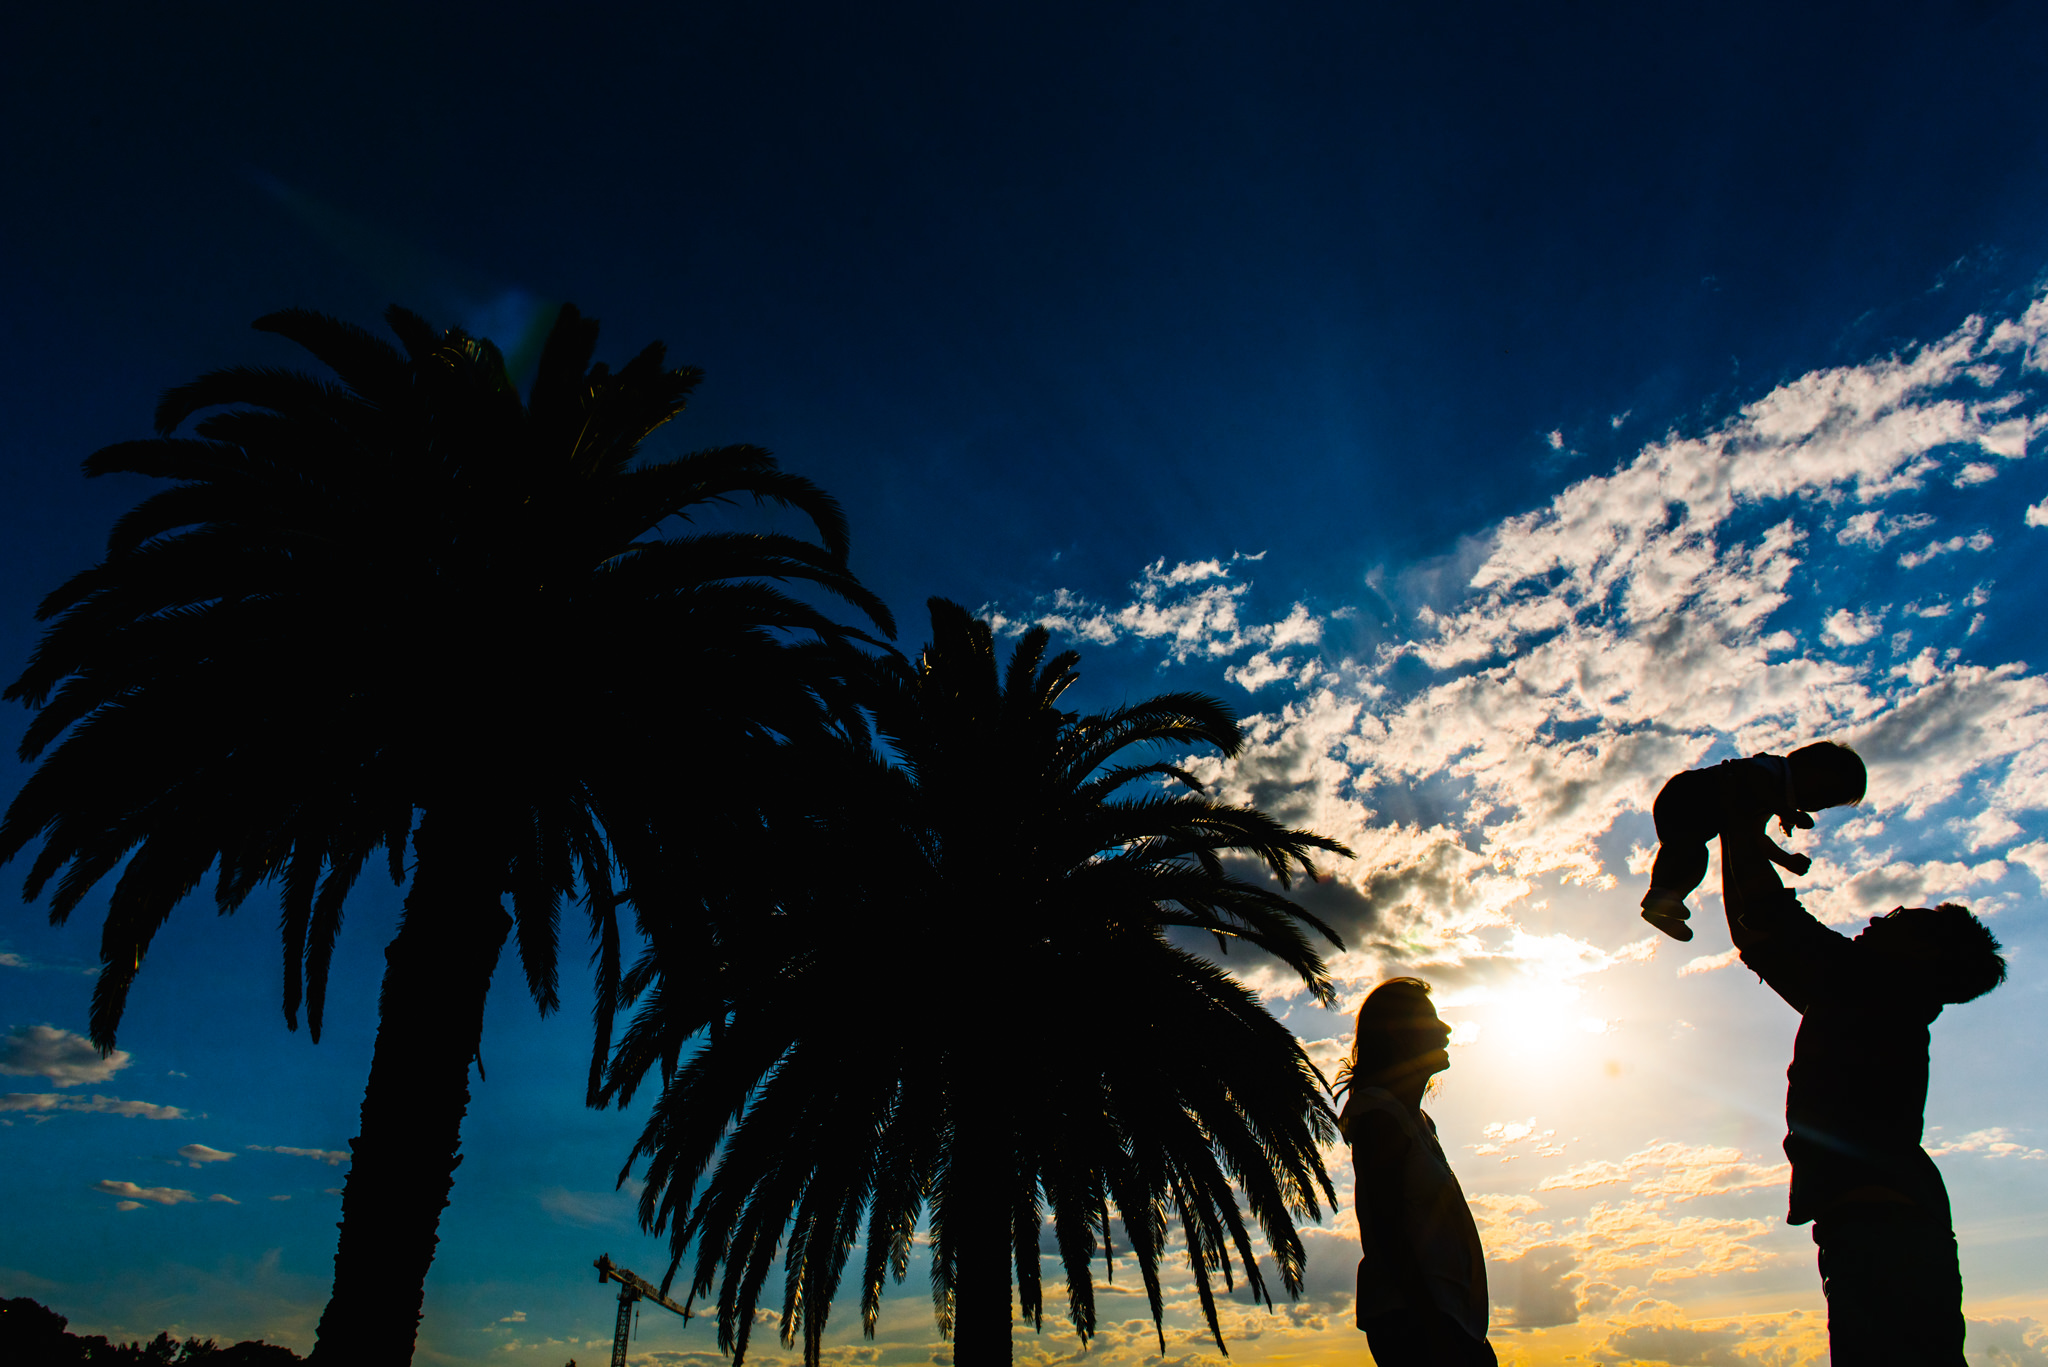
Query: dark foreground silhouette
[(1854, 1107), (410, 592), (1422, 1280), (956, 998), (33, 1335), (1698, 805)]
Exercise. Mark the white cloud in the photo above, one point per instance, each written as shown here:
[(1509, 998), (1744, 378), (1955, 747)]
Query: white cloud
[(1671, 1169), (196, 1154), (224, 1199), (1328, 1055), (1262, 669), (1538, 1289), (1847, 628), (1987, 828), (1660, 1332), (163, 1196), (1192, 608), (47, 1102), (2026, 334), (2033, 857), (1501, 1136), (2016, 1342), (589, 1208), (1996, 1142), (331, 1157), (2037, 514), (1901, 883), (1873, 529), (1979, 541), (67, 1059), (1708, 963), (1632, 1241)]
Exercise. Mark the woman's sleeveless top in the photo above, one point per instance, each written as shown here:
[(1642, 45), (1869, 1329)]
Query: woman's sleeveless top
[(1439, 1225)]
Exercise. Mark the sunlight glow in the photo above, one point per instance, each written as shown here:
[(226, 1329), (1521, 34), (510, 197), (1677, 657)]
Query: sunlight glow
[(1536, 1022)]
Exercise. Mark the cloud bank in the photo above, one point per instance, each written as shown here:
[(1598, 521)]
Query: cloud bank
[(1742, 590), (67, 1059), (42, 1104)]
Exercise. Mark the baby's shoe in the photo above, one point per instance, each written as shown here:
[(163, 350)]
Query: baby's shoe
[(1668, 913)]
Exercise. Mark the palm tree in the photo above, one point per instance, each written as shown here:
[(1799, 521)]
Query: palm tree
[(957, 996), (411, 594)]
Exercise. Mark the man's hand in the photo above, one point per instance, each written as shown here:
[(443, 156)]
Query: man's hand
[(1747, 878)]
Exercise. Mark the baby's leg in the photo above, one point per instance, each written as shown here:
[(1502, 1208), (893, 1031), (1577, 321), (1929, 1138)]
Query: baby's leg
[(1678, 870), (1681, 863), (1681, 866)]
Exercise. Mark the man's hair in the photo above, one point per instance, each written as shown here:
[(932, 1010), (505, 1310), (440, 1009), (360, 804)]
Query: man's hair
[(1967, 960), (1841, 768)]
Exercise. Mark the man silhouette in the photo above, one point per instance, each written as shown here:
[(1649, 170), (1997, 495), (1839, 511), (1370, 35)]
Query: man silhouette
[(1854, 1103)]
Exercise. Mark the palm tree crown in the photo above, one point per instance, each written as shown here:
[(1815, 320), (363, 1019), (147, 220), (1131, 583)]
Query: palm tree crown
[(958, 999), (411, 592)]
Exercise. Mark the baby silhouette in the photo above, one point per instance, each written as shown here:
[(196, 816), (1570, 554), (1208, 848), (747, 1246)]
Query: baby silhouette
[(1696, 806)]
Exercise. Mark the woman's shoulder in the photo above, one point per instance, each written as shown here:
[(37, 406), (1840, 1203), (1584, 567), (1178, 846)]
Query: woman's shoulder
[(1378, 1108), (1376, 1097)]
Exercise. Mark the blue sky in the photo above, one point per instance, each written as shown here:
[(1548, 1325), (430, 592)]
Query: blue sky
[(1501, 407)]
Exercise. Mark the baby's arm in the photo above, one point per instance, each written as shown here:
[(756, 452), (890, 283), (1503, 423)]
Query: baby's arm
[(1784, 858)]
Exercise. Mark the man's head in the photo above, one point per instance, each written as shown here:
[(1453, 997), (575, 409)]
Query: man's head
[(1827, 774), (1951, 951)]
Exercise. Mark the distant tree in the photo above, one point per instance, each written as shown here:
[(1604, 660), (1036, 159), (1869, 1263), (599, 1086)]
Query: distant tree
[(32, 1335), (411, 594), (956, 996)]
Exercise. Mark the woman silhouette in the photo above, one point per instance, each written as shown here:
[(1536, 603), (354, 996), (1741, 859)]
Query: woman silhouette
[(1422, 1281)]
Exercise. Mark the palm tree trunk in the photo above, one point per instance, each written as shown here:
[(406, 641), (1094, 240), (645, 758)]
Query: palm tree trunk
[(984, 1244), (430, 1020)]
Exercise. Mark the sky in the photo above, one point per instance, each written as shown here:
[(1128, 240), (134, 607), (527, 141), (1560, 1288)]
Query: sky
[(1503, 407)]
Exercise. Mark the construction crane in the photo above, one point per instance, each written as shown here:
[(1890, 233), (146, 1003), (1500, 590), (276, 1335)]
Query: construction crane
[(632, 1287)]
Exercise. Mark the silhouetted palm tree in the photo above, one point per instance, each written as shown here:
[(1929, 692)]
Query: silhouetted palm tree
[(957, 996), (411, 593)]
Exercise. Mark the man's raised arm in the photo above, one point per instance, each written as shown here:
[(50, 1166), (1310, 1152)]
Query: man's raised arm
[(1748, 884)]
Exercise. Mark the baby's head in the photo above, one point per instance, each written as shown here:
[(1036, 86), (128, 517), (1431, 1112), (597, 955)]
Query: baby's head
[(1826, 774)]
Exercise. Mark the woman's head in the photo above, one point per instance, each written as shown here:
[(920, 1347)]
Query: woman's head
[(1400, 1037)]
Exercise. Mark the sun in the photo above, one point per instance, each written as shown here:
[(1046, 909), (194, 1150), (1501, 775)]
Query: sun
[(1533, 1022)]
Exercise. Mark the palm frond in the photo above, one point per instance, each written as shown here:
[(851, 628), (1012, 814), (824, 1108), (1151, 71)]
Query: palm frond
[(991, 830)]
